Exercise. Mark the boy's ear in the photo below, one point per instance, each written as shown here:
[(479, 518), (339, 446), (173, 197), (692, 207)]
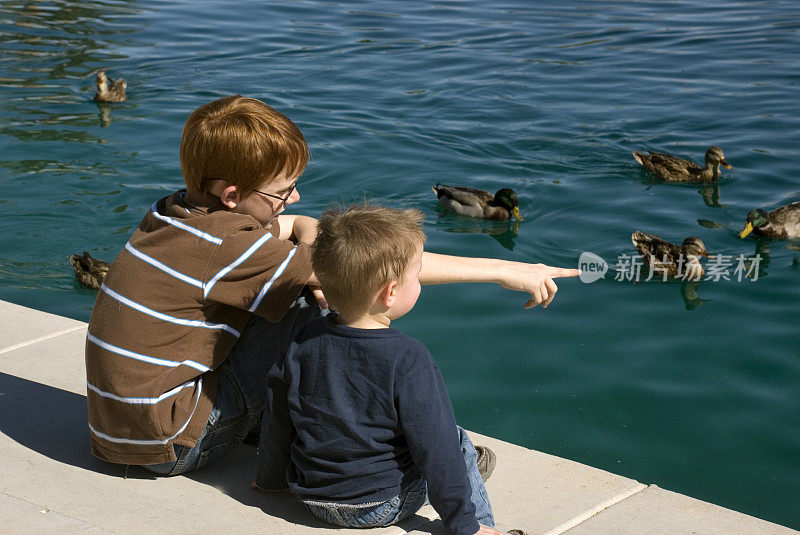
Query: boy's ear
[(230, 196), (388, 293)]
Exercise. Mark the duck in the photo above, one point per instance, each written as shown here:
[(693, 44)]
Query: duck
[(89, 271), (681, 262), (109, 90), (674, 169), (479, 203), (782, 222)]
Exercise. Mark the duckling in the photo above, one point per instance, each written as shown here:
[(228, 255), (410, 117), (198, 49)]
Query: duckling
[(680, 262), (782, 222), (109, 90), (674, 169), (89, 271), (479, 203)]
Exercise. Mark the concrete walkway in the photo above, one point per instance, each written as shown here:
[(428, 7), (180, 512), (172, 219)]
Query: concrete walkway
[(49, 483)]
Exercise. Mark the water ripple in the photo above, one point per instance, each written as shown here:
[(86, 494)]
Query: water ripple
[(548, 100)]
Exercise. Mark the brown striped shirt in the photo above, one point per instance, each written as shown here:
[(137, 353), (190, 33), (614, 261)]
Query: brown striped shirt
[(171, 308)]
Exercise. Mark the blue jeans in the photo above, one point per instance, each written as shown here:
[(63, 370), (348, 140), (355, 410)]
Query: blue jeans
[(408, 502), (239, 403)]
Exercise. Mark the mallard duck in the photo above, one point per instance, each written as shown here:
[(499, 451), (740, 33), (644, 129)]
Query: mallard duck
[(479, 203), (109, 90), (89, 271), (674, 169), (680, 262), (782, 222)]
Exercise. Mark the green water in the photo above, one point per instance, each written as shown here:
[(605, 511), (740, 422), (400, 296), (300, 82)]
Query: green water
[(697, 395)]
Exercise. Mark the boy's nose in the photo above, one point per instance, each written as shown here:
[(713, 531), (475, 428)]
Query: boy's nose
[(294, 197)]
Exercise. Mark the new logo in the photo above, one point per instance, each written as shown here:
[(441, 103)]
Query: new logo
[(592, 267)]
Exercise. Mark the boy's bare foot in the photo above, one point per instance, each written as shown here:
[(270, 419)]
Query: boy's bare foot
[(486, 461)]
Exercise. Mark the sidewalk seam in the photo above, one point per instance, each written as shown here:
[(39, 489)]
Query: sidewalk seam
[(41, 338), (44, 509), (583, 517)]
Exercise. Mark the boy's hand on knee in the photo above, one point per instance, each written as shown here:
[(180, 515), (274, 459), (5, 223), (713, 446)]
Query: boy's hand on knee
[(536, 279)]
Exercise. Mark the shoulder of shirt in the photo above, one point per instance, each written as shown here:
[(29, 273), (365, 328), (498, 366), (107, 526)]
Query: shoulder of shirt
[(311, 329), (415, 344), (412, 353), (414, 360), (411, 346), (223, 222), (230, 223)]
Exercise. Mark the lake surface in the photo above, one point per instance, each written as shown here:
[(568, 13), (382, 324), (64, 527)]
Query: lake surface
[(694, 389)]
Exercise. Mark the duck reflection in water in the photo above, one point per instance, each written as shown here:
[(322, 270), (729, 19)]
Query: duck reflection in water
[(505, 232), (691, 299), (710, 194), (754, 268), (105, 115), (762, 252)]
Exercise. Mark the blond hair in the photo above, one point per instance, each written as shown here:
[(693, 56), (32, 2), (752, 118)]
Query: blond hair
[(242, 141), (362, 248)]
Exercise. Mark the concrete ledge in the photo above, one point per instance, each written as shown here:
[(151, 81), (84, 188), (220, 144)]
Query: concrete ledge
[(658, 511), (22, 326), (49, 483)]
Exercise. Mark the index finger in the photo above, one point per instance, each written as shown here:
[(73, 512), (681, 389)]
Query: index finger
[(555, 272)]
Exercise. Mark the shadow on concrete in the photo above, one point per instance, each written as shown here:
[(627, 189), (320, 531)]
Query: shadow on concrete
[(53, 422), (49, 421), (233, 474), (423, 525)]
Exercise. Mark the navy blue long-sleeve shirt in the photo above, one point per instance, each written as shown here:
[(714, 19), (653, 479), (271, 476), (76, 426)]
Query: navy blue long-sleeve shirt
[(354, 415)]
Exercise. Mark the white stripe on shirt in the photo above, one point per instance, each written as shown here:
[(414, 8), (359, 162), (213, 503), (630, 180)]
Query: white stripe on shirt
[(152, 442), (268, 285), (180, 321), (245, 255), (163, 267), (184, 226), (145, 358), (140, 401)]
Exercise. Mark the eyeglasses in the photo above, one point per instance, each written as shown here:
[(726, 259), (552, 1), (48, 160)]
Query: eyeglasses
[(282, 199)]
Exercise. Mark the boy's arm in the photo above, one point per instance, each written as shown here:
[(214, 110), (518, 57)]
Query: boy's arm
[(536, 279), (429, 426), (301, 228), (298, 228), (277, 433)]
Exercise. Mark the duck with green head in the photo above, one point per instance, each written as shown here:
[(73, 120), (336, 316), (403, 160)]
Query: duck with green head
[(479, 203), (782, 222)]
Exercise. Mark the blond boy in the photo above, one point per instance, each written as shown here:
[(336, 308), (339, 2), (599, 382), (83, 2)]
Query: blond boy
[(358, 423)]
